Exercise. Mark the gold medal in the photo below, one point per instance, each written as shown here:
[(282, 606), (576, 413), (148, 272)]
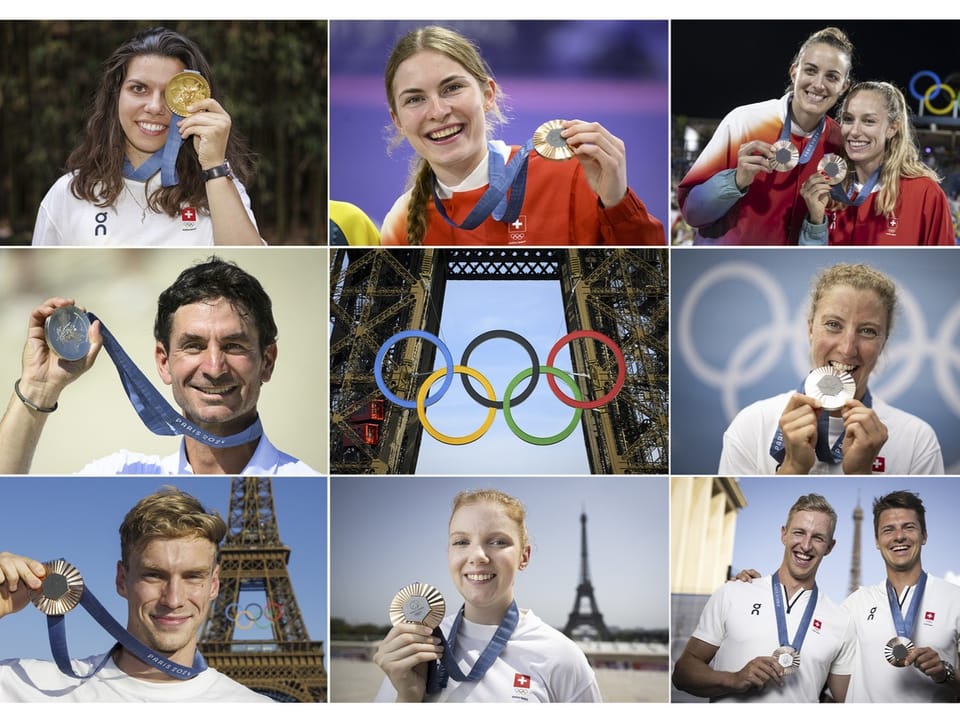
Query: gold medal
[(787, 658), (61, 589), (548, 142), (830, 386), (418, 603), (896, 650), (833, 167), (785, 156), (185, 89)]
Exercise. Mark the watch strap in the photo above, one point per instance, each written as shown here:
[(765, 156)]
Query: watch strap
[(221, 170)]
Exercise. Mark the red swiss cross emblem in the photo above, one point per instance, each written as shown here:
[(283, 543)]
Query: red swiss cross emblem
[(521, 681), (188, 214), (817, 625), (929, 615), (879, 464)]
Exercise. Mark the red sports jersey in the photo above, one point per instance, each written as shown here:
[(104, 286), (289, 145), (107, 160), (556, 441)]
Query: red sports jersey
[(559, 208)]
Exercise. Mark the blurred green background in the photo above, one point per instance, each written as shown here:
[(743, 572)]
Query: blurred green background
[(273, 78)]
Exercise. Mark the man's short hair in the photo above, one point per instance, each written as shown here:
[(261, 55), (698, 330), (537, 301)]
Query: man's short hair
[(814, 503), (168, 514), (217, 278), (899, 499)]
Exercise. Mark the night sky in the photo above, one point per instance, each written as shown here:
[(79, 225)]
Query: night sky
[(720, 64)]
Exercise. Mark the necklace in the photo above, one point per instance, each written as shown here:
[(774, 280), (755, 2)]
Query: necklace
[(143, 208)]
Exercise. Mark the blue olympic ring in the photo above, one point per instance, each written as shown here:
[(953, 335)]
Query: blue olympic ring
[(933, 91), (378, 367), (264, 612)]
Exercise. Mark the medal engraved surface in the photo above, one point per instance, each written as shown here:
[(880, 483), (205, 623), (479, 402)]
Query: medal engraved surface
[(830, 386), (61, 589), (548, 142), (834, 167), (896, 650), (185, 89), (787, 658), (418, 603), (66, 332), (785, 156)]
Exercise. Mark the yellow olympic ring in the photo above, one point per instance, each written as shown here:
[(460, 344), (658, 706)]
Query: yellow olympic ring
[(422, 410), (933, 90)]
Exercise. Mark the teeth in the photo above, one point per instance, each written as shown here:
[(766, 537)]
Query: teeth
[(446, 132), (152, 127), (215, 391), (480, 577), (842, 367)]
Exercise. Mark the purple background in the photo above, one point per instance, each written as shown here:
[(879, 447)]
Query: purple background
[(611, 72)]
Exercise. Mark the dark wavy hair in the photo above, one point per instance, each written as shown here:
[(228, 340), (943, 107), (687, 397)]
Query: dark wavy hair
[(217, 278), (97, 162)]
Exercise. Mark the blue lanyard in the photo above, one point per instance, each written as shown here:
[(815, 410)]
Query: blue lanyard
[(448, 667), (814, 138), (57, 632), (494, 202), (164, 160), (825, 453), (153, 408), (851, 197), (782, 617), (904, 625)]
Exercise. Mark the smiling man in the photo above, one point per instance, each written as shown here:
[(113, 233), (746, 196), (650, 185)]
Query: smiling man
[(216, 345), (777, 639), (169, 575), (908, 627)]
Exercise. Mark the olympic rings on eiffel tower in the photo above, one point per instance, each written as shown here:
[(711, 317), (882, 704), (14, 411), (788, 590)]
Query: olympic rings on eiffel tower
[(490, 401)]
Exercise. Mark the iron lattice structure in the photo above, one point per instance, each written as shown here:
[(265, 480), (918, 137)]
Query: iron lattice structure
[(376, 293), (288, 666), (585, 622), (855, 556)]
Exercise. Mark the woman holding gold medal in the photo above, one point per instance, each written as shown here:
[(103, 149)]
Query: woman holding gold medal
[(886, 196), (566, 186), (490, 650), (832, 424), (744, 188), (158, 163)]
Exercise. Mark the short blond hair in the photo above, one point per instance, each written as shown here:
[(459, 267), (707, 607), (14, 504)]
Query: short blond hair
[(511, 506)]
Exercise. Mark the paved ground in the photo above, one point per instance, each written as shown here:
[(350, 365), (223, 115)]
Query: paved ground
[(358, 681)]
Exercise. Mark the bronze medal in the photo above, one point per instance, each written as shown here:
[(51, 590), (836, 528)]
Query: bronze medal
[(418, 603), (61, 590), (548, 142), (834, 167), (787, 658), (185, 89), (896, 651), (785, 156)]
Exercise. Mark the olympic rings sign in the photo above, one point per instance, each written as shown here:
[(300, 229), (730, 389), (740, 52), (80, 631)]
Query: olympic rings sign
[(272, 612), (933, 91), (490, 402)]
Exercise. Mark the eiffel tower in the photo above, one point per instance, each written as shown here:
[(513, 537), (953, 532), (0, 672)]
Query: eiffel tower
[(582, 624), (288, 666)]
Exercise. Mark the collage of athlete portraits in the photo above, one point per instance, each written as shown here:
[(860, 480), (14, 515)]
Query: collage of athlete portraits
[(515, 378)]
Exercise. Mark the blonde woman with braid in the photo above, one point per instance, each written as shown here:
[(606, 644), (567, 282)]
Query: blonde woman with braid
[(889, 197), (444, 101)]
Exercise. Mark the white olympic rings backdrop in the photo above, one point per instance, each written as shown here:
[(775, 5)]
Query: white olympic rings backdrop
[(739, 334)]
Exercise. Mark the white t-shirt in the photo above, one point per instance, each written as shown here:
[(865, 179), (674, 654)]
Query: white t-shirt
[(912, 447), (740, 621), (64, 219), (266, 461), (539, 664), (937, 627), (32, 680)]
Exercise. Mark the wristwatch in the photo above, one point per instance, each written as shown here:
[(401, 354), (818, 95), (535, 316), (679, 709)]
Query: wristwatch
[(951, 673), (222, 170)]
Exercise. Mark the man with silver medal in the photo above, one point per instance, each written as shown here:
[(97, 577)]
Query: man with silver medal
[(908, 627), (778, 639), (168, 573), (215, 346)]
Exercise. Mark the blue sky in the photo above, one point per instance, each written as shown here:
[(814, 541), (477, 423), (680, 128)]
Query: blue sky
[(387, 532), (77, 519), (757, 541), (533, 309)]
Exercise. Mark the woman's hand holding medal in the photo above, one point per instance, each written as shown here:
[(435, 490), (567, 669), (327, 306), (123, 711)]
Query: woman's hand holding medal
[(603, 157)]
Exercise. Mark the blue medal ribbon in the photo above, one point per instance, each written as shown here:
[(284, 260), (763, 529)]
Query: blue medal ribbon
[(494, 202), (153, 408), (801, 633), (164, 160), (851, 197), (448, 668), (825, 453), (56, 629), (905, 625), (813, 139)]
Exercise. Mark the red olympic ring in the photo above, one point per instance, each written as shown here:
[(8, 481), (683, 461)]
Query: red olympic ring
[(618, 383)]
